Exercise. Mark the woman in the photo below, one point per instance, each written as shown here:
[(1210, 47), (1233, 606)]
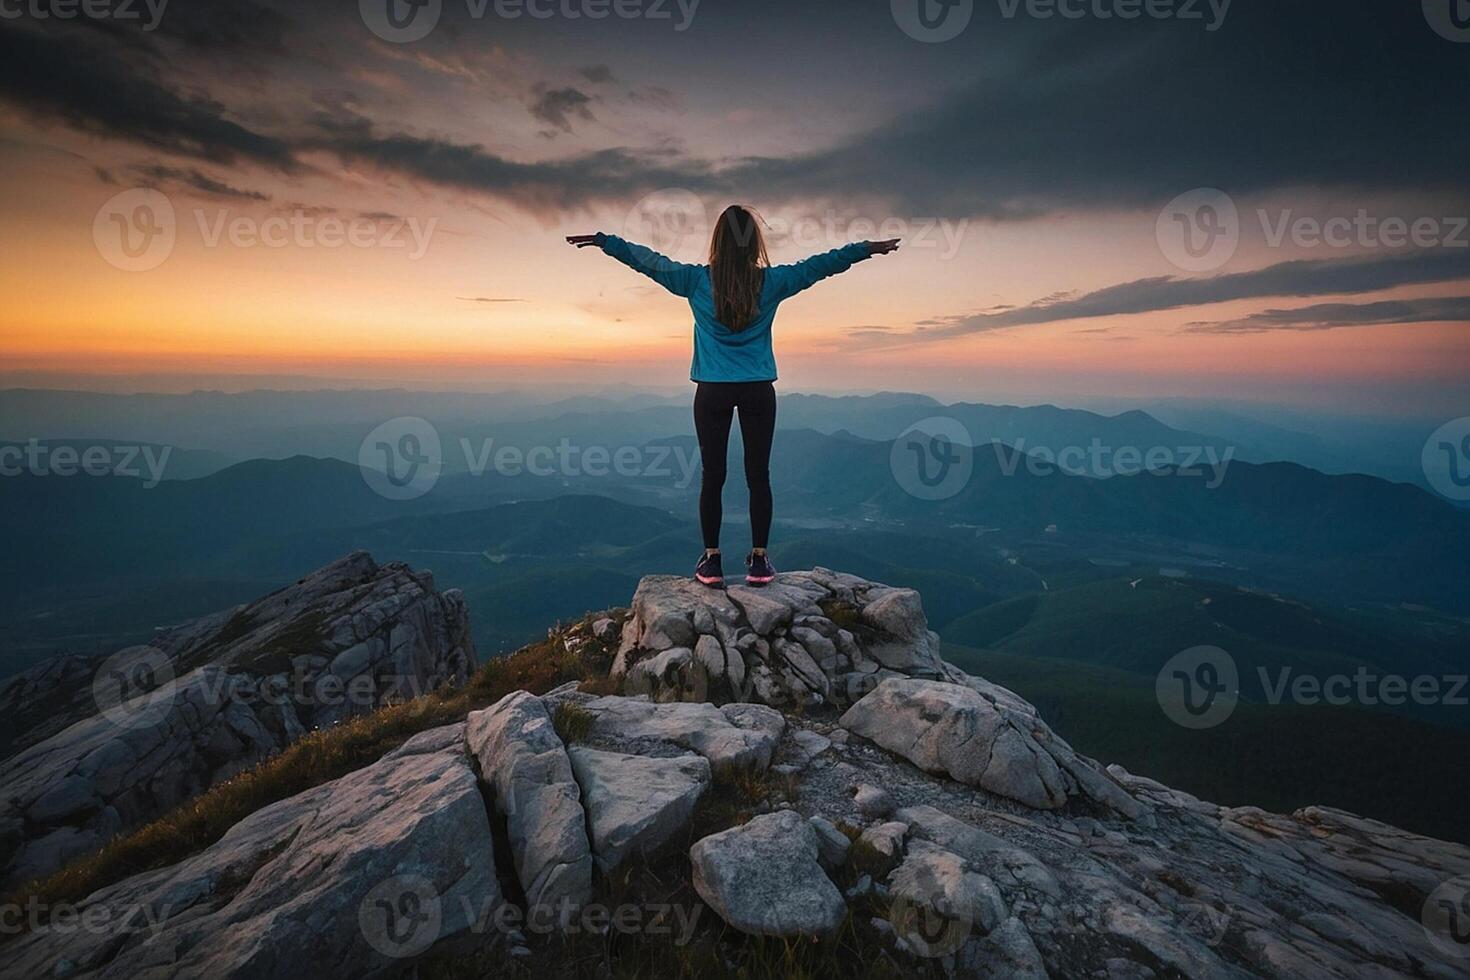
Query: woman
[(734, 299)]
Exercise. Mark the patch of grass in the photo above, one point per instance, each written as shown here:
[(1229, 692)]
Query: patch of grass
[(863, 858), (600, 686), (316, 758), (301, 638), (572, 722), (236, 627), (844, 614), (681, 938), (736, 794)]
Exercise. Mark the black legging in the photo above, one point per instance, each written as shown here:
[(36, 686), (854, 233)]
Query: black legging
[(714, 408)]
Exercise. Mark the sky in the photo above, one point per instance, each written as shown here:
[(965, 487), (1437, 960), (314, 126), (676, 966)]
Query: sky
[(1256, 200)]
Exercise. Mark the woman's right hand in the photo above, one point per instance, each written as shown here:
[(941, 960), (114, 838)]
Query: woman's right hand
[(581, 241), (883, 247)]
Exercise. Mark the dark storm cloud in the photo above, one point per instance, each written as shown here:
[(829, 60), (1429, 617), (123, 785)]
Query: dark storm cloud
[(597, 74), (162, 177), (1330, 316), (1320, 277), (236, 36), (1112, 115), (559, 107), (95, 92), (1059, 115), (1124, 115), (242, 26), (545, 188)]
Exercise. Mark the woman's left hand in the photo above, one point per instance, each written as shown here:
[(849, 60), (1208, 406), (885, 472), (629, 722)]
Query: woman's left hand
[(581, 241), (883, 247)]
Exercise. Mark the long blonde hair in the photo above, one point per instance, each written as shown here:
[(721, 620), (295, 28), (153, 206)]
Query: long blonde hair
[(737, 267)]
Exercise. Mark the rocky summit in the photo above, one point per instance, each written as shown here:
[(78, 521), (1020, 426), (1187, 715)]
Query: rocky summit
[(797, 765), (100, 746)]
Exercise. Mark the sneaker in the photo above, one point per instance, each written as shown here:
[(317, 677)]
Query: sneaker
[(758, 569), (709, 570)]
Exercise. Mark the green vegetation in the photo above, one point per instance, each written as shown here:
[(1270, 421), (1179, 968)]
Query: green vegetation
[(736, 794), (1277, 757), (572, 722), (1137, 624), (301, 637)]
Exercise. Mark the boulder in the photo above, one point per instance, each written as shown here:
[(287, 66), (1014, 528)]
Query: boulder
[(735, 735), (943, 882), (886, 839), (92, 758), (763, 878), (872, 802), (776, 644), (950, 729), (832, 843), (635, 805), (523, 761), (360, 876)]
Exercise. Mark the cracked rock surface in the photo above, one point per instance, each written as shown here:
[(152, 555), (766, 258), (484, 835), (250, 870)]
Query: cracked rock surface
[(213, 697), (889, 815)]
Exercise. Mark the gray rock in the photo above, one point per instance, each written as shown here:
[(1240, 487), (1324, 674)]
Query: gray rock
[(89, 767), (886, 838), (635, 805), (776, 644), (942, 881), (763, 608), (525, 764), (736, 735), (872, 802), (763, 878), (1133, 880), (950, 729), (832, 844), (1007, 953), (805, 745), (301, 887)]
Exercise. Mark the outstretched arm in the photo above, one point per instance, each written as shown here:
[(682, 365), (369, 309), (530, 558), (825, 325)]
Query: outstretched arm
[(788, 280), (677, 277)]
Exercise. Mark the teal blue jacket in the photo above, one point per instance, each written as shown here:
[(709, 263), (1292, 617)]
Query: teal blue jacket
[(722, 354)]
